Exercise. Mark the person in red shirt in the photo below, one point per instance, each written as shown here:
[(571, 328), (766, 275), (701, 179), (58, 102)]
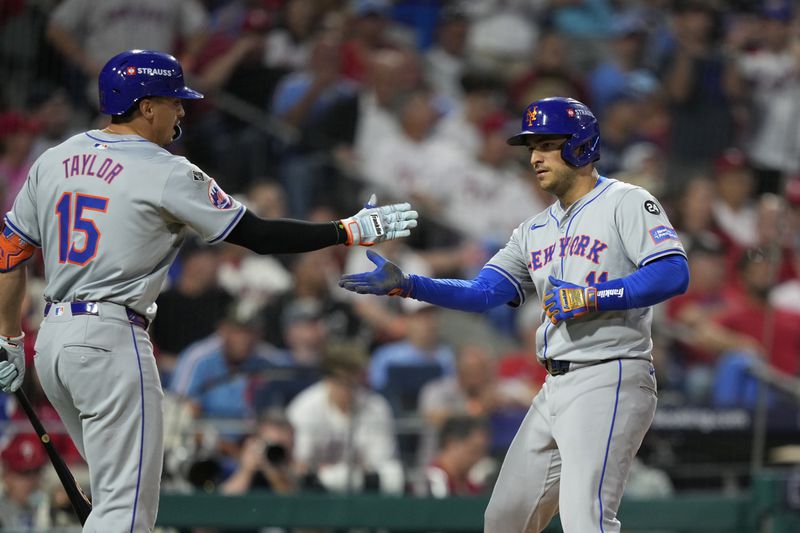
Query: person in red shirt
[(755, 329), (463, 444)]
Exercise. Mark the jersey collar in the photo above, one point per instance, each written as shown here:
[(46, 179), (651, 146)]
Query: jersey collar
[(601, 184), (111, 138)]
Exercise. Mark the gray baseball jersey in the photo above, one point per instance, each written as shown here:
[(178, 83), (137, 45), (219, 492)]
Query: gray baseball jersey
[(82, 194), (609, 233)]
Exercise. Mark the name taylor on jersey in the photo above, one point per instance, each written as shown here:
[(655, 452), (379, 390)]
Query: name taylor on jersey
[(105, 169)]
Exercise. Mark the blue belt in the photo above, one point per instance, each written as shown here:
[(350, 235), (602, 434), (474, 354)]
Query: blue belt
[(556, 368), (93, 308)]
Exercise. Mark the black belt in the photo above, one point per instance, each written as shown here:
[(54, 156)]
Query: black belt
[(93, 308), (556, 368)]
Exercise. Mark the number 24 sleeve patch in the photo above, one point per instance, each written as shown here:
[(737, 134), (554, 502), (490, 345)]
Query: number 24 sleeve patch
[(660, 234)]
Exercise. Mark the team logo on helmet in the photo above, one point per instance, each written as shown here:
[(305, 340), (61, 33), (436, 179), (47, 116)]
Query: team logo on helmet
[(532, 115), (218, 197), (130, 71)]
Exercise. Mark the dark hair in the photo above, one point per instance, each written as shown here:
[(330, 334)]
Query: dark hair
[(127, 116), (460, 427)]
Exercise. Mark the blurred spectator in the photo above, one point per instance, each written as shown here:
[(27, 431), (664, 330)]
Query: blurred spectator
[(51, 110), (17, 134), (621, 121), (301, 99), (754, 328), (311, 288), (520, 363), (586, 26), (249, 276), (770, 71), (474, 390), (398, 163), (484, 193), (694, 356), (694, 210), (462, 125), (214, 374), (88, 33), (345, 432), (502, 39), (266, 459), (702, 88), (23, 505), (305, 332), (367, 33), (463, 444), (353, 124), (421, 346), (445, 61), (624, 72), (190, 309), (734, 209), (288, 44), (550, 73)]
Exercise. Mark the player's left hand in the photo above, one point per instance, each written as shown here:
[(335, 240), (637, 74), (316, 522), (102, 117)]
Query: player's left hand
[(12, 369), (567, 300), (375, 224)]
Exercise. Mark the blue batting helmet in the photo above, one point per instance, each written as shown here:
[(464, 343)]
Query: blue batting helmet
[(563, 116), (130, 76)]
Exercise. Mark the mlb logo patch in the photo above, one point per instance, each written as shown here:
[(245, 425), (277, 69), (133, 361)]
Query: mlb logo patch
[(101, 146), (660, 234), (218, 197), (59, 310)]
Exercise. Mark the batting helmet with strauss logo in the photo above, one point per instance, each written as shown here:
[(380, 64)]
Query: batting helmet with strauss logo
[(563, 116), (132, 75)]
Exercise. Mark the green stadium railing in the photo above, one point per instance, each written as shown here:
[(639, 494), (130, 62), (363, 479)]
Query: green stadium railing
[(764, 503)]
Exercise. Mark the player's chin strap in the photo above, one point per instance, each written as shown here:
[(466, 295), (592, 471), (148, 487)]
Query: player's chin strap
[(178, 133)]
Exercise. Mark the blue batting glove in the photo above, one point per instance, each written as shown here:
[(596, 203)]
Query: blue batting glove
[(386, 279), (567, 300)]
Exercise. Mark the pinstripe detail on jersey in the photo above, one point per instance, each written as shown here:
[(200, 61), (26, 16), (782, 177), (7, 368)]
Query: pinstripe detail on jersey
[(608, 443), (21, 233), (571, 218), (512, 279), (141, 439), (230, 226), (106, 141)]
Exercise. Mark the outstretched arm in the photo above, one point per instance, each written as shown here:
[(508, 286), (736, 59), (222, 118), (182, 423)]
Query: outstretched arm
[(371, 225), (655, 282), (489, 289)]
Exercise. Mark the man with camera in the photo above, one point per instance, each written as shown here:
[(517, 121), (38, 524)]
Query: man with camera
[(266, 459)]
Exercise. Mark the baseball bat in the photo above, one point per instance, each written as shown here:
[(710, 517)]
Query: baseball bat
[(80, 502)]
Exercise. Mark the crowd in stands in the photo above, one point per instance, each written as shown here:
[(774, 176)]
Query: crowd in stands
[(277, 379)]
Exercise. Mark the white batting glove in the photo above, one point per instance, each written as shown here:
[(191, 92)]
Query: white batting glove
[(375, 224), (12, 367)]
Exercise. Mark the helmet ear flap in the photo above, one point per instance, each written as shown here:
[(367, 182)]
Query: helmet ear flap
[(581, 148)]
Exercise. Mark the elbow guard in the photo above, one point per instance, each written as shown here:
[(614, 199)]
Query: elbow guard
[(14, 250)]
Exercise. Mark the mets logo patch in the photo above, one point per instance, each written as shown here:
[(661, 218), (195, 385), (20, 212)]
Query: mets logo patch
[(660, 234), (218, 197)]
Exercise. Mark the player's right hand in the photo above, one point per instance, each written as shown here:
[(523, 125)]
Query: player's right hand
[(12, 367), (375, 224), (386, 279)]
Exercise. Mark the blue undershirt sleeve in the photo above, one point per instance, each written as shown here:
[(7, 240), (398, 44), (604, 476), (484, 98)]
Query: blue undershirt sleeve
[(489, 289), (653, 283)]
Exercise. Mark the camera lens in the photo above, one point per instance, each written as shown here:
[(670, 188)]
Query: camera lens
[(275, 454)]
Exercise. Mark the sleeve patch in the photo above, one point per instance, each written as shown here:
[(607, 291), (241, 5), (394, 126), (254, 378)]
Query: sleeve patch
[(660, 234), (14, 250), (218, 197)]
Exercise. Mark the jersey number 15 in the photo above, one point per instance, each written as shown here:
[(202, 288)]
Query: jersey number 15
[(71, 220)]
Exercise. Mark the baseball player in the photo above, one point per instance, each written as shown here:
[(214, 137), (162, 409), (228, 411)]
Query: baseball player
[(110, 209), (599, 258)]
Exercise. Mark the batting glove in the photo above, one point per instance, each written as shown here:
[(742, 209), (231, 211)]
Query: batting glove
[(567, 300), (386, 279), (375, 224), (12, 369)]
